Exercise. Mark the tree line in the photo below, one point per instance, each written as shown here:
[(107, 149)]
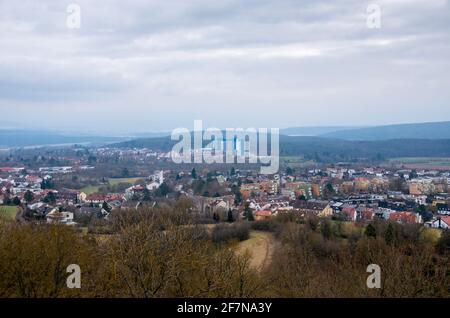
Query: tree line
[(164, 252)]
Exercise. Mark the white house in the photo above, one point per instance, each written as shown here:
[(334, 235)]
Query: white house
[(157, 180), (153, 186), (441, 223), (56, 217)]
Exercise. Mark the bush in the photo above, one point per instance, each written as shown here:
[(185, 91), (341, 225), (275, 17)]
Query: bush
[(348, 229), (266, 226), (83, 219), (430, 236), (443, 246), (227, 232)]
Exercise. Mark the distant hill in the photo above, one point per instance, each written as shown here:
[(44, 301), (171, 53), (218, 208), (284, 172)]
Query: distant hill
[(10, 138), (152, 134), (335, 150), (331, 150), (314, 131), (436, 130), (157, 143)]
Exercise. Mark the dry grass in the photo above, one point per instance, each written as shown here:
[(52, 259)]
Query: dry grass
[(261, 247)]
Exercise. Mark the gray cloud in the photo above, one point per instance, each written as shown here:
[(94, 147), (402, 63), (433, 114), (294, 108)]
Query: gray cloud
[(148, 65)]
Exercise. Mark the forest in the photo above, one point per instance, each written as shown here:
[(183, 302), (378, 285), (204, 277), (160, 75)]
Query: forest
[(167, 252)]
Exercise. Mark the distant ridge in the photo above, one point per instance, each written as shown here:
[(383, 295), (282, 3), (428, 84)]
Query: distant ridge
[(314, 130), (433, 130), (329, 149), (12, 138)]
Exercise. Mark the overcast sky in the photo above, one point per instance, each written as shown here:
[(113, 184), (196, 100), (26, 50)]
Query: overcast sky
[(141, 65)]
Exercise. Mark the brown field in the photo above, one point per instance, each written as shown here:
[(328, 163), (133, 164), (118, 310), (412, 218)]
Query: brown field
[(261, 247)]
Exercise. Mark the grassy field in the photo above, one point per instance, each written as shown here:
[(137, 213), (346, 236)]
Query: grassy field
[(112, 181), (296, 162), (261, 247), (291, 159), (421, 163), (115, 181), (294, 159), (8, 212), (90, 189), (419, 160)]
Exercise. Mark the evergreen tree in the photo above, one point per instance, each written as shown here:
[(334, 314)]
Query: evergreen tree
[(50, 198), (389, 236), (163, 190), (328, 191), (237, 198), (146, 195), (28, 196), (327, 229), (230, 218), (371, 231), (289, 170), (46, 184), (16, 201), (248, 213), (250, 216), (7, 199)]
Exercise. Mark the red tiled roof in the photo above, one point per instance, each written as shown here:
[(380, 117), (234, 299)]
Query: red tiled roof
[(404, 217), (263, 213), (446, 220), (367, 214), (114, 196), (7, 169), (349, 213), (348, 210), (31, 178), (96, 197)]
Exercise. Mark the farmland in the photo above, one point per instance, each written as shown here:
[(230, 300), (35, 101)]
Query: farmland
[(8, 212)]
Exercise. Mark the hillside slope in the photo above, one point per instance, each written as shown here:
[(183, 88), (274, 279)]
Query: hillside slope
[(329, 149), (436, 130)]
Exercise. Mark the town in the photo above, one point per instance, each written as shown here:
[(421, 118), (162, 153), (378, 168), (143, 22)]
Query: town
[(218, 157), (85, 189)]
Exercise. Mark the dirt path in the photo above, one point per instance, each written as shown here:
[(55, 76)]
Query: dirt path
[(261, 247), (19, 215)]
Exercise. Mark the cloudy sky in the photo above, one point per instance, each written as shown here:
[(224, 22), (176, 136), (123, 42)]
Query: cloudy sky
[(144, 65)]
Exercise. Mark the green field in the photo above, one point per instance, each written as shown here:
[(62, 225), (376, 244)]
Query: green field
[(8, 212), (420, 160), (112, 181), (292, 159), (90, 189), (296, 161), (115, 181)]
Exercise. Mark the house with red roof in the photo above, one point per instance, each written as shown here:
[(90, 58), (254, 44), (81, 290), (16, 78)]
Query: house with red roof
[(262, 215), (405, 217), (96, 198), (365, 214), (442, 222), (350, 213)]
